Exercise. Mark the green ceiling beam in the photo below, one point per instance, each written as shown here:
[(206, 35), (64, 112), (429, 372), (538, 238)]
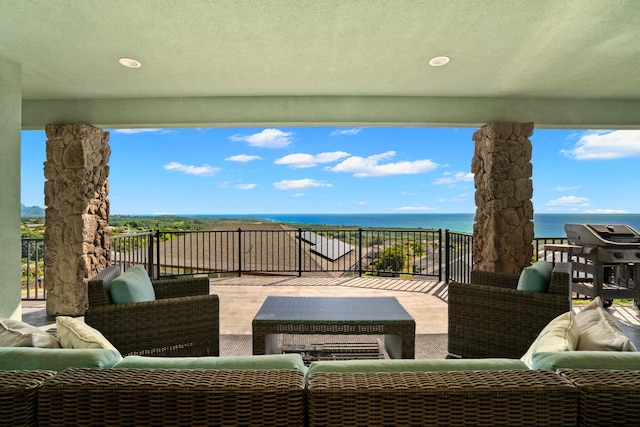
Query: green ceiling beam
[(333, 111)]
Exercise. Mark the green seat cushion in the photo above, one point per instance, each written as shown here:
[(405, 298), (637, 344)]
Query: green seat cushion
[(132, 286), (536, 277), (56, 359), (15, 333), (422, 365), (621, 360), (261, 362)]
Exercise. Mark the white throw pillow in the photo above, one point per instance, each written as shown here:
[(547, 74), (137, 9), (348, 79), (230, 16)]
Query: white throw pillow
[(599, 331), (561, 334), (14, 333), (74, 333)]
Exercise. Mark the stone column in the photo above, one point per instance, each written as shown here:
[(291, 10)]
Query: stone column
[(77, 234), (503, 228)]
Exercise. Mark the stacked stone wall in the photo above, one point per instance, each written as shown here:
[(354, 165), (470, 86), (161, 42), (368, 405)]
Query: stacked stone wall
[(503, 228), (77, 234)]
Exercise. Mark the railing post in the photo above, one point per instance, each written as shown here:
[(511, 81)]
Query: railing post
[(150, 255), (359, 252), (158, 253), (447, 256), (299, 252), (239, 252), (440, 255)]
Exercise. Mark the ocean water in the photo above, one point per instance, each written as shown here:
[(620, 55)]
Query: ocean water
[(545, 225)]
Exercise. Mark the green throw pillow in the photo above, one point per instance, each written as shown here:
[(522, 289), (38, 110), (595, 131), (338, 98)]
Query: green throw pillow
[(536, 277), (132, 286)]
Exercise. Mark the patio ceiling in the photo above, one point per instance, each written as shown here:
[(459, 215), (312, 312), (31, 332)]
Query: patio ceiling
[(571, 64)]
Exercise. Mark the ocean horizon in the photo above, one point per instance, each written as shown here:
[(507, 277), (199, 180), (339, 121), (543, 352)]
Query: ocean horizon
[(545, 225)]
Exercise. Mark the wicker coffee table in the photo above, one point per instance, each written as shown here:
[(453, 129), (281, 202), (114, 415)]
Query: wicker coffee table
[(335, 316)]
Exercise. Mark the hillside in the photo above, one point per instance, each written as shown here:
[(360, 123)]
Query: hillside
[(31, 211)]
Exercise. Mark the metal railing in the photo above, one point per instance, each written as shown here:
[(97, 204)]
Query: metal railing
[(459, 256), (352, 251), (135, 248), (32, 269), (407, 253)]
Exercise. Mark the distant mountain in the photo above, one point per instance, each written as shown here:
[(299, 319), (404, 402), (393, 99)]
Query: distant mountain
[(31, 211)]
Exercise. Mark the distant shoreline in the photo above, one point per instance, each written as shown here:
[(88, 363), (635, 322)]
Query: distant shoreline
[(545, 225)]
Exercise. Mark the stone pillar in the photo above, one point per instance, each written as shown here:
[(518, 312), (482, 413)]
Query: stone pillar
[(77, 234), (503, 228)]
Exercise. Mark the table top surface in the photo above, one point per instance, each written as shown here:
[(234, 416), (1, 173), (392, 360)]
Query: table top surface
[(332, 309)]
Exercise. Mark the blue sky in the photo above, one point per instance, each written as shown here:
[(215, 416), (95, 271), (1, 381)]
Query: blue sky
[(343, 170)]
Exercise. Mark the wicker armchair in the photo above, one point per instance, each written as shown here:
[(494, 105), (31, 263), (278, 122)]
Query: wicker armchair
[(184, 320), (489, 317)]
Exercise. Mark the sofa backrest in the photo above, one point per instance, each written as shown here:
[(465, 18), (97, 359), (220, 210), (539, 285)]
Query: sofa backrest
[(98, 285)]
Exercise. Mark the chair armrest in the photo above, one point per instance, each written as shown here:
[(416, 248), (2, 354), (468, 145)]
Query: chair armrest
[(181, 287), (487, 321), (561, 279), (185, 326)]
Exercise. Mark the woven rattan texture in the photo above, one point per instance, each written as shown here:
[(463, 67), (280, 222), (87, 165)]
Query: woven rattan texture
[(18, 396), (404, 328), (183, 321), (607, 397), (491, 318), (489, 398), (168, 397)]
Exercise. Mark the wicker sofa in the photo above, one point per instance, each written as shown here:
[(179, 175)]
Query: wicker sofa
[(489, 317), (184, 320), (283, 397)]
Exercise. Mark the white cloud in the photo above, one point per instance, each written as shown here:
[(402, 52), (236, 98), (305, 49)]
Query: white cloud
[(243, 158), (362, 167), (302, 160), (297, 184), (414, 209), (132, 131), (449, 178), (340, 132), (606, 211), (246, 186), (606, 145), (204, 170), (298, 195), (268, 138), (363, 203), (569, 201)]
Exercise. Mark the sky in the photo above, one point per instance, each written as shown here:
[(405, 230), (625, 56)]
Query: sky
[(238, 171)]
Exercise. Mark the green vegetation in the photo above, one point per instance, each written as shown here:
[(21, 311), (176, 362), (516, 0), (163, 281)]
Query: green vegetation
[(126, 224), (391, 259)]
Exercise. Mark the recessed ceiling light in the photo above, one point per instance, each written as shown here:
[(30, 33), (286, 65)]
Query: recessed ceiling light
[(439, 61), (129, 62)]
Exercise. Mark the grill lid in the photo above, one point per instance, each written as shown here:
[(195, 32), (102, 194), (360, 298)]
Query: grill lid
[(602, 235)]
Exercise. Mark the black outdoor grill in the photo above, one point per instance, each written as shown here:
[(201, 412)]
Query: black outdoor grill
[(605, 260)]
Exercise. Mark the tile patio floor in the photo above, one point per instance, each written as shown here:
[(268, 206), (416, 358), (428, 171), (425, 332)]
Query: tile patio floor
[(241, 297)]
